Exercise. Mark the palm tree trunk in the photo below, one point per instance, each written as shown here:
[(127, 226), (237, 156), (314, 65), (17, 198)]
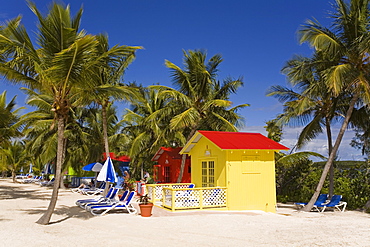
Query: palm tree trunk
[(13, 176), (63, 158), (45, 219), (333, 154), (183, 158), (330, 149), (105, 127), (105, 136)]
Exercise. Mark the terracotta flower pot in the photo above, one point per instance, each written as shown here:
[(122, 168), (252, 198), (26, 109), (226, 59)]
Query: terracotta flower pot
[(146, 209)]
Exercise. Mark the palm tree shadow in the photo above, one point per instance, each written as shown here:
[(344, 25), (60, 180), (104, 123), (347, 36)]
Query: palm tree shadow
[(61, 212), (64, 211), (10, 192)]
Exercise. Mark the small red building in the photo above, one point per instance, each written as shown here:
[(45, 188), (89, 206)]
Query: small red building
[(123, 158), (169, 164)]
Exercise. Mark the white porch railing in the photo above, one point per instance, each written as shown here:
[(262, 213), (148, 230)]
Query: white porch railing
[(194, 198), (155, 191)]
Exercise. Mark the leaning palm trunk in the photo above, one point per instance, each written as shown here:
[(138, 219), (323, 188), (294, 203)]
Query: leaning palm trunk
[(182, 168), (45, 219), (330, 146), (63, 158), (332, 154), (183, 158)]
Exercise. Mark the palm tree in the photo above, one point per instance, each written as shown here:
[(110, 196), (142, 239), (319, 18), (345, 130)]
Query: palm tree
[(309, 103), (348, 42), (274, 131), (284, 162), (8, 120), (113, 63), (14, 156), (202, 101), (361, 141), (41, 133), (146, 133), (62, 63)]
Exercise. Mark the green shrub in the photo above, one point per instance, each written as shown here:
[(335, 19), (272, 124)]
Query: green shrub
[(298, 183)]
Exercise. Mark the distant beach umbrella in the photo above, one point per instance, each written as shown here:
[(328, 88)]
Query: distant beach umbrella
[(47, 169), (95, 167), (107, 173), (21, 171)]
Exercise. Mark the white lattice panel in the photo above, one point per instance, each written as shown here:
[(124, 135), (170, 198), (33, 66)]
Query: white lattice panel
[(150, 192), (188, 199), (180, 186), (158, 189), (179, 196), (214, 197)]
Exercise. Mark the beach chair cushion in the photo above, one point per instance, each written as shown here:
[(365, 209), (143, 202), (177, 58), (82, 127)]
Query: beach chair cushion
[(335, 202), (126, 205)]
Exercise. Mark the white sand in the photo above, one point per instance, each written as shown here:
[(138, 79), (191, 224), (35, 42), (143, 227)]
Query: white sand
[(21, 205)]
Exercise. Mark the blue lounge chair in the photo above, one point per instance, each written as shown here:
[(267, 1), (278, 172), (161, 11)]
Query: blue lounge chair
[(125, 205), (320, 201), (31, 180), (96, 191), (47, 183), (87, 190), (335, 202), (112, 192), (109, 202)]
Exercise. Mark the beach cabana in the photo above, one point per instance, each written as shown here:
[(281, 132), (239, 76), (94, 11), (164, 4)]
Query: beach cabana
[(242, 162), (168, 165)]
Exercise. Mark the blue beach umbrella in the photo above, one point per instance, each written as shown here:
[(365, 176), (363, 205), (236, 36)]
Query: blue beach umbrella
[(47, 169), (107, 173), (21, 171), (95, 167)]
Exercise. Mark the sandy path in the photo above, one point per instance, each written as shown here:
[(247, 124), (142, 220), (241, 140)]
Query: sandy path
[(22, 204)]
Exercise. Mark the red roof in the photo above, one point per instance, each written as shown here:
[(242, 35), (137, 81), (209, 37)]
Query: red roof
[(241, 140), (122, 158), (172, 152)]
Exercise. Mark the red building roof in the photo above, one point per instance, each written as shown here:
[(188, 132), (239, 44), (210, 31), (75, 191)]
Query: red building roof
[(234, 140), (122, 158), (172, 152), (241, 140)]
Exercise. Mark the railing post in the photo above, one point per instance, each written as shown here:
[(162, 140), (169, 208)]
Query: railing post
[(201, 199), (153, 193), (227, 205), (173, 200), (163, 198)]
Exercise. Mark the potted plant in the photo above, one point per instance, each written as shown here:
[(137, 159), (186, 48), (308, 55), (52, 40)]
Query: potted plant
[(129, 184), (145, 206)]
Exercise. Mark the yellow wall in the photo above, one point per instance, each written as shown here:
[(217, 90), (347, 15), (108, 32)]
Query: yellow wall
[(249, 175), (251, 180)]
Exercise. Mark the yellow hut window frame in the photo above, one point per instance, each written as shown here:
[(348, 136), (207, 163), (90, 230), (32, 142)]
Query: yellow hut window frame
[(208, 173)]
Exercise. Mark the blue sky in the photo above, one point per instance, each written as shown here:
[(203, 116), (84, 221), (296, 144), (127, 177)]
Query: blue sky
[(255, 39)]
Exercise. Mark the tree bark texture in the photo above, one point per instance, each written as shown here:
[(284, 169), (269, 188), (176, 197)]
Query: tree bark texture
[(183, 158), (45, 219), (105, 137), (330, 150)]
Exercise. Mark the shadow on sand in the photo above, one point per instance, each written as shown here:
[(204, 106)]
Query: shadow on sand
[(61, 212)]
